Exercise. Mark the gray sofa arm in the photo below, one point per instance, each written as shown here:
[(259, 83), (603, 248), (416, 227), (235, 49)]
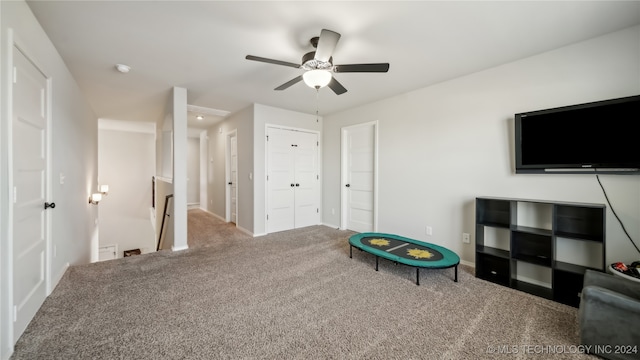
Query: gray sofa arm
[(608, 318), (613, 283)]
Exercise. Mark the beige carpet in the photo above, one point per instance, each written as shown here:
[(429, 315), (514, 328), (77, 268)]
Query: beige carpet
[(205, 229), (289, 295)]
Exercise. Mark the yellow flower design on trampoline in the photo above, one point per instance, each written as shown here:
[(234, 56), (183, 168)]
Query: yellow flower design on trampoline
[(419, 254), (379, 242)]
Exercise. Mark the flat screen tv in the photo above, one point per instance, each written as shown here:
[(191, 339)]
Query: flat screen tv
[(597, 137)]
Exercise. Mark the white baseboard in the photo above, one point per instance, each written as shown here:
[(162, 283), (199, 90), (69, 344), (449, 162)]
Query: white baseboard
[(245, 230), (468, 263), (179, 248), (193, 206), (214, 214), (56, 279), (331, 226)]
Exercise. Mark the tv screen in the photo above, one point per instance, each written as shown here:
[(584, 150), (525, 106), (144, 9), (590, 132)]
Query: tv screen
[(595, 137)]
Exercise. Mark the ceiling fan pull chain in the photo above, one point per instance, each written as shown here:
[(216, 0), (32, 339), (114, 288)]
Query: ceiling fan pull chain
[(317, 103)]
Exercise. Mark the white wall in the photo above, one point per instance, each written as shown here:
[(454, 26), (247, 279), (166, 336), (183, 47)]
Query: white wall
[(193, 170), (127, 164), (74, 157), (444, 145)]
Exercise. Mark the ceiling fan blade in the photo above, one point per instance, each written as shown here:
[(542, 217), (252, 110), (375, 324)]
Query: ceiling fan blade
[(336, 87), (271, 61), (326, 44), (381, 67), (289, 83)]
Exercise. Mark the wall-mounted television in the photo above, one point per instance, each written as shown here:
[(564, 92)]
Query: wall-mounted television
[(596, 137)]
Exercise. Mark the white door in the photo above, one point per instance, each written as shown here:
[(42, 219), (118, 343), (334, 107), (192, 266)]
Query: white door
[(233, 183), (280, 180), (30, 186), (359, 159), (292, 179), (306, 179)]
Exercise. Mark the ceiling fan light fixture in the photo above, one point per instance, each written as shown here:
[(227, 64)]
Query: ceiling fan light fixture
[(317, 78), (199, 117)]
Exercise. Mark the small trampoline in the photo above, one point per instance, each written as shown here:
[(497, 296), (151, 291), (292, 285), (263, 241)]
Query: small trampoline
[(402, 250)]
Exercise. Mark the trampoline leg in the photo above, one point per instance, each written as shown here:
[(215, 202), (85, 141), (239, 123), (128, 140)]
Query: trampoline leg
[(350, 251), (456, 272), (418, 276), (376, 263)]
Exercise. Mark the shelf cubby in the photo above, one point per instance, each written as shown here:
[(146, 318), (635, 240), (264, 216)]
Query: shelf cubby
[(493, 268), (532, 248), (494, 213)]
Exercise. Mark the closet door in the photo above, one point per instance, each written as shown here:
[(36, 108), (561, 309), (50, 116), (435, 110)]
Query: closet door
[(306, 176), (280, 180), (293, 191)]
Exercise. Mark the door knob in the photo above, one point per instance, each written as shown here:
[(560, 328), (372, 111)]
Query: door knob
[(297, 184), (348, 185), (49, 205), (292, 185), (230, 183)]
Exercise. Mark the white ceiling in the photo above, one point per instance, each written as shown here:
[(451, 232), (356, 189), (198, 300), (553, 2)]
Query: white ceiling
[(201, 46)]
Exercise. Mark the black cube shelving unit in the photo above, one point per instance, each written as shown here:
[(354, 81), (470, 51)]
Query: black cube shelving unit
[(536, 247)]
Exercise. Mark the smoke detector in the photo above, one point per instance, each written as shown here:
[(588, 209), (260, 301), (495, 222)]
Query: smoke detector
[(123, 68)]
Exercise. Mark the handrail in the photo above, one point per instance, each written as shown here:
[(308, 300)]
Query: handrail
[(164, 215)]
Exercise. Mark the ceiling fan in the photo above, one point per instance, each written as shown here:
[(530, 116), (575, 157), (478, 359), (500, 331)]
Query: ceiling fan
[(318, 64)]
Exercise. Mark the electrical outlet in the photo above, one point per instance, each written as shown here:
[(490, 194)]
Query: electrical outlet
[(465, 238), (429, 230)]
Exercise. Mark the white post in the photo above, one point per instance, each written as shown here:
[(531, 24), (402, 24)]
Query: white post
[(179, 169)]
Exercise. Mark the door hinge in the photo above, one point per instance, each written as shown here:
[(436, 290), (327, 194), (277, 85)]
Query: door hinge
[(317, 210), (317, 143), (15, 75), (267, 137), (15, 194), (267, 216), (317, 177), (267, 177)]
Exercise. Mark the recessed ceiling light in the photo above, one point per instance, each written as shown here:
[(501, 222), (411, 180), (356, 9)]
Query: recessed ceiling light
[(123, 68), (200, 117)]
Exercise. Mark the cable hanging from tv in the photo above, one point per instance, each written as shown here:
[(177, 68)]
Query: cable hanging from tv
[(615, 214)]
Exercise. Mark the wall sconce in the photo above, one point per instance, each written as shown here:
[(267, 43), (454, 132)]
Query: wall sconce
[(104, 189), (95, 198)]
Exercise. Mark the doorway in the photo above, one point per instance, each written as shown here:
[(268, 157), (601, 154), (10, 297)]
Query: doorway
[(359, 177)]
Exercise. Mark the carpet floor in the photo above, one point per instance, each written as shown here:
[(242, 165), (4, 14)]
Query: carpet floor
[(289, 295)]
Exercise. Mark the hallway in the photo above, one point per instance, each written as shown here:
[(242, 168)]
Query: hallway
[(203, 229)]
